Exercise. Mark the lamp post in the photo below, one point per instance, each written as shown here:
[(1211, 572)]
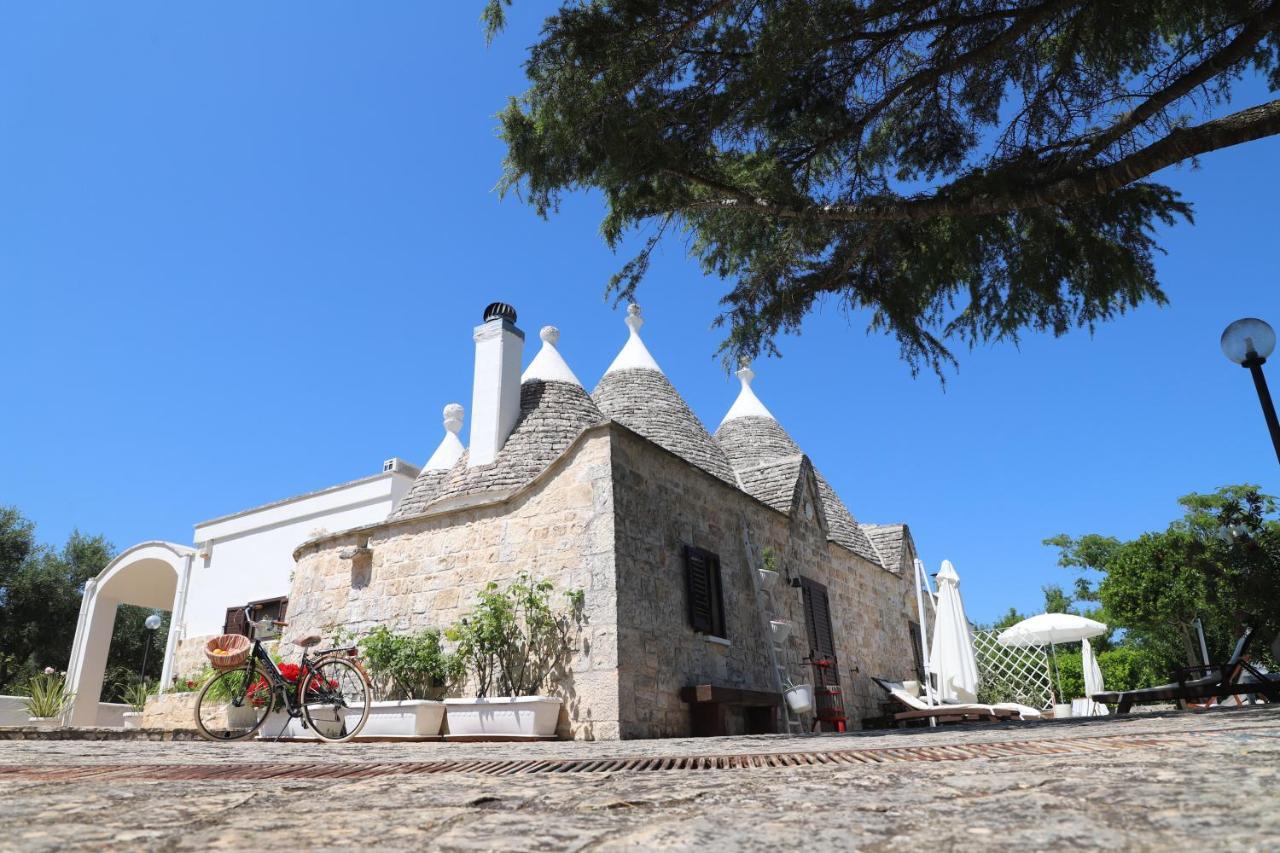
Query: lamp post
[(1248, 342), (151, 624)]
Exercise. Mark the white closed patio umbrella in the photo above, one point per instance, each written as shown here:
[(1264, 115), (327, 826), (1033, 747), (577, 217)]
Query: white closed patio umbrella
[(1092, 678), (1051, 628), (951, 657)]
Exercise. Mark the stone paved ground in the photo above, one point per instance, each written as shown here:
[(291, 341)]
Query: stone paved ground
[(1207, 781)]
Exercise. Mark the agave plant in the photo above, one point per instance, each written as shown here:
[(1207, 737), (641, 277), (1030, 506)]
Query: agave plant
[(136, 695), (47, 694)]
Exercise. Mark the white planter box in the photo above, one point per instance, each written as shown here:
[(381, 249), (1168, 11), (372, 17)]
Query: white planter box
[(768, 579), (504, 716), (280, 724), (45, 722), (781, 629), (242, 717), (132, 719), (410, 718)]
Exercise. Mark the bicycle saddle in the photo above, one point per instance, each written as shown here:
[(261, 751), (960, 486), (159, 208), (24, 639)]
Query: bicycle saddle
[(310, 640)]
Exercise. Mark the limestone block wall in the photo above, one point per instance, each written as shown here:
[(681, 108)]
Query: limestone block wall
[(170, 711), (425, 572), (188, 655), (662, 504)]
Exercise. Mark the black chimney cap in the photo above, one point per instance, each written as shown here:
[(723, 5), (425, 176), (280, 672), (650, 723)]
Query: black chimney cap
[(500, 311)]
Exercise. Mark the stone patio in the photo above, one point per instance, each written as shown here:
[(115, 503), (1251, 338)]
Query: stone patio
[(1169, 780)]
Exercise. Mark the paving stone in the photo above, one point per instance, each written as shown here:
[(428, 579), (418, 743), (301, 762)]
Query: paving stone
[(1205, 780)]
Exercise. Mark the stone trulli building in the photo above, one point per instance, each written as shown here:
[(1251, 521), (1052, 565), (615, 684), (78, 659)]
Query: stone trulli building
[(622, 493)]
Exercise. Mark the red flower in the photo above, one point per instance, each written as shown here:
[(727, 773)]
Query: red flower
[(289, 671)]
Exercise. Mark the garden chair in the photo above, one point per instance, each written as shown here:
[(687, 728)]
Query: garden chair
[(1215, 681)]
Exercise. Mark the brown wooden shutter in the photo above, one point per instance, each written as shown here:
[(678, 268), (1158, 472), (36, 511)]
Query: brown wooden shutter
[(817, 623), (698, 582), (706, 598), (235, 623)]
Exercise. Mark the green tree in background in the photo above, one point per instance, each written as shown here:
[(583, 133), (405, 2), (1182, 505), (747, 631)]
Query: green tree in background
[(1126, 662), (1219, 562), (40, 590), (962, 171)]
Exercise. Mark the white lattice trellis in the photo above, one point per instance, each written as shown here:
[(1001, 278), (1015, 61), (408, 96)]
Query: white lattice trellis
[(1024, 670)]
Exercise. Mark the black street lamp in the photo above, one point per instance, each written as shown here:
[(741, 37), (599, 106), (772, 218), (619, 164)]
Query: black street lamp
[(1248, 342), (151, 624)]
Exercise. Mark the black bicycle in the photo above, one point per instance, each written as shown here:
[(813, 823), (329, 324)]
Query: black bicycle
[(327, 690)]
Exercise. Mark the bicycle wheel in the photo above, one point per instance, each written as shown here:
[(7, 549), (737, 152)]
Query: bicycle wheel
[(234, 703), (335, 698)]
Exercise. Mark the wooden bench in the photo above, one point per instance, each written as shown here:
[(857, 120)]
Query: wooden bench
[(709, 702)]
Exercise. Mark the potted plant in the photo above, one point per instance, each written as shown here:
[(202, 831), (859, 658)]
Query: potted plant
[(47, 699), (136, 698), (799, 697), (769, 574), (781, 629), (410, 674), (278, 723), (511, 644)]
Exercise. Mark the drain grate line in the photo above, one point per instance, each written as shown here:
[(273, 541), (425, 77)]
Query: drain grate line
[(351, 770)]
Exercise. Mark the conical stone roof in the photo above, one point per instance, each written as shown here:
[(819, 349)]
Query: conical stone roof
[(553, 413), (426, 486), (635, 393), (766, 461)]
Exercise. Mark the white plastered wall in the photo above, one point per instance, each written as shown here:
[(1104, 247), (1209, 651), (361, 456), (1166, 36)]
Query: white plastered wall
[(248, 556)]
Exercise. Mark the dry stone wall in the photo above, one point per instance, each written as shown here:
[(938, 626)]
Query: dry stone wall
[(661, 505), (425, 572)]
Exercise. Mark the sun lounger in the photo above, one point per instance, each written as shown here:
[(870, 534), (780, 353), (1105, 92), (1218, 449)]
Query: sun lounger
[(1217, 681), (916, 708)]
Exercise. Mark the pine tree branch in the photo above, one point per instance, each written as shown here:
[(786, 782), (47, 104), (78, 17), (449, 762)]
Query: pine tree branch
[(1257, 28), (1179, 144), (1020, 27)]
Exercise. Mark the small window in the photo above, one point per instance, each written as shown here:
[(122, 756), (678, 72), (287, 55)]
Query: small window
[(267, 608), (706, 596)]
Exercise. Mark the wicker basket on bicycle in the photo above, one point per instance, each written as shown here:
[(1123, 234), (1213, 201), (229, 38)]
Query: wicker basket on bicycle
[(228, 651)]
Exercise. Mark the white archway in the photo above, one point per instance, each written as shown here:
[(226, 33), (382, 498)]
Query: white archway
[(151, 574)]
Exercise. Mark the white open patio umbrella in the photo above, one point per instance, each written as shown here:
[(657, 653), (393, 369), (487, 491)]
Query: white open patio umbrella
[(1051, 628), (951, 657)]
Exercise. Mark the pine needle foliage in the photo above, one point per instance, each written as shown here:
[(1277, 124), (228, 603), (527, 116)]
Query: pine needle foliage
[(953, 171)]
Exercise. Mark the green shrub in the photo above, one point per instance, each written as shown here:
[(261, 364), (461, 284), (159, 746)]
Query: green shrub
[(409, 666), (1131, 668), (994, 689), (513, 640), (1071, 672)]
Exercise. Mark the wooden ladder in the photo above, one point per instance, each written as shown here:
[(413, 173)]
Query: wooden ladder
[(781, 655)]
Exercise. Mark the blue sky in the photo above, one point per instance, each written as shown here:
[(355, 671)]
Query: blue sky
[(242, 248)]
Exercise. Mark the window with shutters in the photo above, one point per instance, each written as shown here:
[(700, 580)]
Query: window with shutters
[(819, 630), (267, 608), (705, 594)]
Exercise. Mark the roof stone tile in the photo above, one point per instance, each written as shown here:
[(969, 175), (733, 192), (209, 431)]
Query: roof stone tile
[(644, 400), (755, 443), (552, 415)]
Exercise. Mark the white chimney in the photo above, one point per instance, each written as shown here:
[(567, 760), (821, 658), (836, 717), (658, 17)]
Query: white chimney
[(495, 394)]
